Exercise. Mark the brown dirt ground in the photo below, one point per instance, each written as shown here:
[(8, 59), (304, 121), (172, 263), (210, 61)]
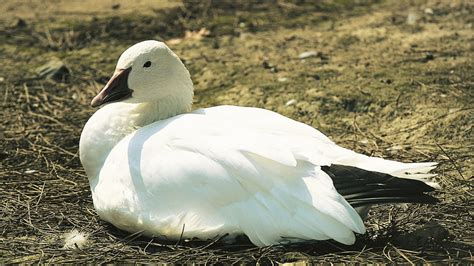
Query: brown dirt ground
[(392, 79)]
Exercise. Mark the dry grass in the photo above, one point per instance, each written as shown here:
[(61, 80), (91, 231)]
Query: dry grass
[(374, 88)]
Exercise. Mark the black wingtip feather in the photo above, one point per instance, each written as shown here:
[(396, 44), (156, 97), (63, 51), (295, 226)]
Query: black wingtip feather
[(427, 199), (361, 187)]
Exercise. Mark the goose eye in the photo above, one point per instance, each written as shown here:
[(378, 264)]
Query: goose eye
[(147, 64)]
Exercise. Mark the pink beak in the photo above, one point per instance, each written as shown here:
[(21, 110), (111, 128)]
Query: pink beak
[(115, 90)]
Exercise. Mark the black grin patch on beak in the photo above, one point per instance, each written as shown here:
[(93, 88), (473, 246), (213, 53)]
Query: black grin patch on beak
[(117, 95), (115, 90)]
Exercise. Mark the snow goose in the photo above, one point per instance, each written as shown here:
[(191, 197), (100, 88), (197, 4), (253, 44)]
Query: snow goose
[(158, 168)]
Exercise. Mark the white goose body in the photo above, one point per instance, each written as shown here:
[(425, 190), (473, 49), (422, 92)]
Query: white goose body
[(156, 168)]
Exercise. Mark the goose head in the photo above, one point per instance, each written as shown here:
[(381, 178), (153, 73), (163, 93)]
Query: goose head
[(147, 72)]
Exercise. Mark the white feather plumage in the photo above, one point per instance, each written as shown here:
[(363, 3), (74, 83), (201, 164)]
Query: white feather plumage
[(75, 239), (220, 170)]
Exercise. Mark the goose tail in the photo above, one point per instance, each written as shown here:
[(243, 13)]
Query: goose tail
[(414, 171)]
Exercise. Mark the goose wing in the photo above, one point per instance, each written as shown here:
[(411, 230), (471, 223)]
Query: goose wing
[(227, 175)]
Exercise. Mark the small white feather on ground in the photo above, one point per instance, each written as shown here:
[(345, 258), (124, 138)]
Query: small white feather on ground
[(75, 239)]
